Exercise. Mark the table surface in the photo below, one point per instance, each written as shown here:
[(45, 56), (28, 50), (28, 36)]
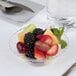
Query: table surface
[(9, 65)]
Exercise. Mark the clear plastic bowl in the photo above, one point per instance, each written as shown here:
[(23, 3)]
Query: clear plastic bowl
[(14, 39)]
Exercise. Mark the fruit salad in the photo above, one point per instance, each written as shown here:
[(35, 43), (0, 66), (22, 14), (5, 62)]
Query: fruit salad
[(38, 44)]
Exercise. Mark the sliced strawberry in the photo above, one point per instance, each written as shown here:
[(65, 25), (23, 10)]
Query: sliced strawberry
[(39, 54), (42, 46), (53, 50), (45, 38)]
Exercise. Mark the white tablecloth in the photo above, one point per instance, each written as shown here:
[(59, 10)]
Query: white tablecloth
[(10, 65)]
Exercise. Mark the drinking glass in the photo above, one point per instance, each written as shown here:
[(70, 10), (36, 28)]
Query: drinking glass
[(64, 11)]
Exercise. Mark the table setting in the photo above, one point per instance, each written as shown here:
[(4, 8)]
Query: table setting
[(54, 51)]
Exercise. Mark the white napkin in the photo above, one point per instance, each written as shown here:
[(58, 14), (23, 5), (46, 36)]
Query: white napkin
[(21, 17)]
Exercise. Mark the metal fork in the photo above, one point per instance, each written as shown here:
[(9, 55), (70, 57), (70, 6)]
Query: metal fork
[(67, 23)]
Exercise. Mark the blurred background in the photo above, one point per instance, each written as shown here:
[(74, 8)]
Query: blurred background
[(40, 1)]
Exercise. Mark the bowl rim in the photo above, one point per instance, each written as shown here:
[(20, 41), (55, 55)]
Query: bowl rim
[(19, 55)]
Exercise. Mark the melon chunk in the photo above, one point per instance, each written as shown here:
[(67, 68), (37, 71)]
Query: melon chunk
[(21, 36), (50, 33), (29, 28)]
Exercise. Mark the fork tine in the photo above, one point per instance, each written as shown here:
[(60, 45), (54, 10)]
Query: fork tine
[(71, 24), (67, 22), (62, 19)]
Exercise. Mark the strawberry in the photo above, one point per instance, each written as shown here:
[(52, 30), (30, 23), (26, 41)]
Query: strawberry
[(39, 54), (53, 50), (45, 38), (42, 46)]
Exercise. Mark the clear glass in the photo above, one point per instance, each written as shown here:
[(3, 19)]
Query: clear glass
[(63, 11), (14, 39)]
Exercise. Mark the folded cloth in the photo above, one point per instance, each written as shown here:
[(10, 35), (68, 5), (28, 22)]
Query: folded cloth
[(23, 16)]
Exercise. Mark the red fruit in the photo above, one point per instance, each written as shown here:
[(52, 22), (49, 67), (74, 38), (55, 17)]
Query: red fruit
[(39, 54), (45, 38), (53, 50), (21, 47), (42, 46)]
